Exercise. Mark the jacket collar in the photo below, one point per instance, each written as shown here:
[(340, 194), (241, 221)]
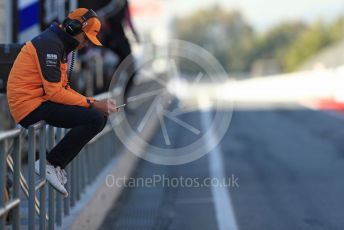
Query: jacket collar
[(68, 41)]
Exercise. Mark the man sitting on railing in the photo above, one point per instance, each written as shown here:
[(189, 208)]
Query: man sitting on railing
[(38, 89)]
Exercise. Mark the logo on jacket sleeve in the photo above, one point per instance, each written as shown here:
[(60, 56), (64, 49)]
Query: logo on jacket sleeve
[(51, 60)]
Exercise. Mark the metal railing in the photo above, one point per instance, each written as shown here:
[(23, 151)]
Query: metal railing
[(49, 208), (14, 203)]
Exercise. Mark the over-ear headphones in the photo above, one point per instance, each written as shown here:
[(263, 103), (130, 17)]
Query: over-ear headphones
[(74, 26)]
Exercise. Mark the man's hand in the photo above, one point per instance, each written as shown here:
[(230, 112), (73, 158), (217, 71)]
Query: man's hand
[(107, 106)]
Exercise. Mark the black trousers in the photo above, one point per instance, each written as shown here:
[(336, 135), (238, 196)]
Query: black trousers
[(84, 124)]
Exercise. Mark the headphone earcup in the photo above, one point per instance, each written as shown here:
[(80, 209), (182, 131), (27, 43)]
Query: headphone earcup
[(74, 27)]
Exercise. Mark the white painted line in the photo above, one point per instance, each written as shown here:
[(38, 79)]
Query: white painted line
[(222, 201)]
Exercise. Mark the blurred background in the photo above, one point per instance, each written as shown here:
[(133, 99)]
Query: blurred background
[(247, 38), (284, 74)]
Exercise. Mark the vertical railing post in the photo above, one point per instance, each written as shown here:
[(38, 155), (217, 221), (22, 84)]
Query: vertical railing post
[(42, 167), (2, 182), (100, 154), (96, 155), (66, 201), (31, 165), (78, 175), (73, 184), (84, 169), (77, 179), (16, 180), (91, 169), (58, 195), (93, 163), (94, 160), (88, 162), (51, 225)]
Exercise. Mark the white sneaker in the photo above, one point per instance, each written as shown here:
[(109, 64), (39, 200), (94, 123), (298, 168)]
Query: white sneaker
[(64, 176), (63, 172), (54, 177)]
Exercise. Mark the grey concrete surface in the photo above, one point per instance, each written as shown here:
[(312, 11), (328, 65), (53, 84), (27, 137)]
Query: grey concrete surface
[(289, 165)]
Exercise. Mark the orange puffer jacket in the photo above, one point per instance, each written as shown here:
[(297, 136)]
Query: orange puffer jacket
[(40, 74)]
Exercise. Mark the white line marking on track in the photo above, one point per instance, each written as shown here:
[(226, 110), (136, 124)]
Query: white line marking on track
[(222, 201)]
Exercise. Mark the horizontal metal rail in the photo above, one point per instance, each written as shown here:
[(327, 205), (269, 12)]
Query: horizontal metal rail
[(10, 205)]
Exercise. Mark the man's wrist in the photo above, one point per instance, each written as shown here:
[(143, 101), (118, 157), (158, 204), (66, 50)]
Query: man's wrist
[(90, 103)]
